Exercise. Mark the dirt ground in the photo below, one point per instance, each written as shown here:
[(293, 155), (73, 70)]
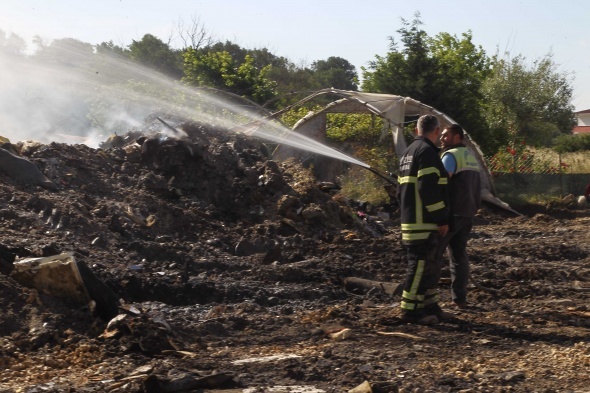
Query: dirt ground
[(234, 275)]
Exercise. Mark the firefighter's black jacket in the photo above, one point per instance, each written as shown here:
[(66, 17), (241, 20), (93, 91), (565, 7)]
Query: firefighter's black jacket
[(422, 191)]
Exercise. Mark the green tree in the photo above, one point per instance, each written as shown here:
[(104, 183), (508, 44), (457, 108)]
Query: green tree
[(290, 81), (335, 72), (529, 101), (222, 71), (407, 71), (445, 72), (262, 57), (462, 68), (154, 53)]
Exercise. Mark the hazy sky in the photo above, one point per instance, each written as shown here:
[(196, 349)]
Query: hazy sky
[(305, 31)]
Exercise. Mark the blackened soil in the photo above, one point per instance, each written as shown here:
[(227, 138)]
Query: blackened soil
[(220, 255)]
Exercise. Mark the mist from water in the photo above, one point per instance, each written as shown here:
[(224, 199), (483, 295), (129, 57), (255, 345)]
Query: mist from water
[(69, 93)]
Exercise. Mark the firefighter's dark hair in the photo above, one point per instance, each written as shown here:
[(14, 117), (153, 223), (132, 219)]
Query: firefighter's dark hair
[(427, 124)]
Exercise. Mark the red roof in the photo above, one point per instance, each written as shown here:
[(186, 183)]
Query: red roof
[(581, 129), (580, 112)]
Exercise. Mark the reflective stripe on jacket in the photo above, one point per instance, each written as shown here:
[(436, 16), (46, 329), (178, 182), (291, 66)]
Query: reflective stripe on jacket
[(422, 191), (465, 183)]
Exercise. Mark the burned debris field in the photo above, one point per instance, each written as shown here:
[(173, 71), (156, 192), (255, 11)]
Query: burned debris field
[(237, 273)]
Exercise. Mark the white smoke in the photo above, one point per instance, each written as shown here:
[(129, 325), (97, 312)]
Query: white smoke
[(49, 99), (67, 92)]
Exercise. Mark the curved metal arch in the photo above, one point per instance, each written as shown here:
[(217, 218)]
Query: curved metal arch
[(393, 109)]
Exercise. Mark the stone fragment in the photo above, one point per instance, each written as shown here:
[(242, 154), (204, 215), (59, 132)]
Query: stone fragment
[(341, 335), (364, 387)]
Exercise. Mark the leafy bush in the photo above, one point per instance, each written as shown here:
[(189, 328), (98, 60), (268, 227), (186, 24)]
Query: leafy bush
[(353, 127), (572, 143)]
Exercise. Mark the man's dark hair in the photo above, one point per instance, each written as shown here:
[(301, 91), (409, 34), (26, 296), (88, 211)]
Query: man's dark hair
[(456, 129), (427, 124)]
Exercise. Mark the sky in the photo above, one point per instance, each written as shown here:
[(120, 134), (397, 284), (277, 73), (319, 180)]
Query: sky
[(305, 31)]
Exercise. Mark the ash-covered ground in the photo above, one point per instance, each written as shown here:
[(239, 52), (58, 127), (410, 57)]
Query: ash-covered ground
[(237, 273)]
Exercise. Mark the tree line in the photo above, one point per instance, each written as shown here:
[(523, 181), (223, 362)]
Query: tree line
[(497, 98)]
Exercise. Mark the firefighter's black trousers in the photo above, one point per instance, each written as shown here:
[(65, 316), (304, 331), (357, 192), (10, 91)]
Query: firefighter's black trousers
[(420, 295)]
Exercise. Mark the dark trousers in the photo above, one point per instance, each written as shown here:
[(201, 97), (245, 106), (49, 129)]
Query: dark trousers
[(420, 294), (455, 243)]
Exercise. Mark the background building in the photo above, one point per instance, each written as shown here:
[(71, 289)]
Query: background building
[(583, 126)]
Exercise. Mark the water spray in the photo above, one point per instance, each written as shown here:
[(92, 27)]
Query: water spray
[(252, 130)]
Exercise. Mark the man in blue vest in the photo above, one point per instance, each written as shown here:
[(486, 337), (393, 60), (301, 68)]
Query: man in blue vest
[(424, 208), (465, 197)]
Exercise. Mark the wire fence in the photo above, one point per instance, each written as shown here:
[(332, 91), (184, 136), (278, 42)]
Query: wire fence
[(524, 176)]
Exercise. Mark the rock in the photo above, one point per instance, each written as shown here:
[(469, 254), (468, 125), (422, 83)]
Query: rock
[(288, 206), (513, 376), (364, 387), (568, 199), (313, 214), (22, 170), (57, 275), (113, 141), (245, 248)]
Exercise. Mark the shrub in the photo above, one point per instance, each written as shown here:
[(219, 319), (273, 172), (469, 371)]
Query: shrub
[(572, 143)]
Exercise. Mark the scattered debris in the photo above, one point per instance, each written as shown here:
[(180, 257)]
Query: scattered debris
[(402, 335), (265, 359), (342, 335), (361, 286)]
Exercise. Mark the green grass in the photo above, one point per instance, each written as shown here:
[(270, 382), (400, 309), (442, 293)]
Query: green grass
[(533, 199)]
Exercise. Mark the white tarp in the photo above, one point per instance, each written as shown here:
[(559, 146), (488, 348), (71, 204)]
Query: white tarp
[(393, 109)]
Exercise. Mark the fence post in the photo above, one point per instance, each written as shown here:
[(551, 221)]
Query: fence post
[(560, 177)]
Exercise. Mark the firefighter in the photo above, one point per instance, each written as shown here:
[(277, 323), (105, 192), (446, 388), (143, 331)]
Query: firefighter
[(422, 193)]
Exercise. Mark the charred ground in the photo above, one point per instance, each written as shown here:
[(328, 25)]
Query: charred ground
[(221, 254)]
